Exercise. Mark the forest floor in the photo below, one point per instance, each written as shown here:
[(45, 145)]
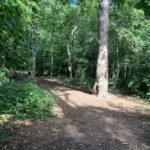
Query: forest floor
[(83, 122)]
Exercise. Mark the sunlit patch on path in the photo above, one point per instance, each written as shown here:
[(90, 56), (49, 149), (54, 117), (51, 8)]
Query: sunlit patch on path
[(83, 122)]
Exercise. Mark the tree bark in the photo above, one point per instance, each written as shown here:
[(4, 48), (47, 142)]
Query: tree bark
[(33, 64), (69, 62), (102, 62), (52, 62), (117, 61)]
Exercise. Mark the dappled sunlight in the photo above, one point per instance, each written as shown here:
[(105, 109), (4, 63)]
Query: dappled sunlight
[(58, 111), (4, 118), (72, 105), (73, 132), (26, 122), (78, 98), (82, 121), (109, 120), (74, 75), (53, 80)]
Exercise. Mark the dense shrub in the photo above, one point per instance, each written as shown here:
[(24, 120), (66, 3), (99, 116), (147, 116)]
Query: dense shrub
[(24, 100), (86, 83), (3, 75)]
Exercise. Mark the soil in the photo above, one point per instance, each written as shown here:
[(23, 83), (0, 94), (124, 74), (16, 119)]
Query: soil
[(84, 122)]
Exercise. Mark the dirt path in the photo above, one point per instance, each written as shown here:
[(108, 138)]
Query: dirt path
[(85, 123)]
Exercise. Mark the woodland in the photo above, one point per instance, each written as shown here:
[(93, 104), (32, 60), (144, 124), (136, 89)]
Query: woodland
[(60, 39)]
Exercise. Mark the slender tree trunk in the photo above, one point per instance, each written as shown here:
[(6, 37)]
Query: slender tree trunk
[(69, 62), (33, 64), (102, 62), (52, 62), (118, 63)]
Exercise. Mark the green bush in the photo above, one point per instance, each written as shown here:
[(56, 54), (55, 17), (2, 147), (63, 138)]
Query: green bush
[(23, 100), (86, 83), (3, 75)]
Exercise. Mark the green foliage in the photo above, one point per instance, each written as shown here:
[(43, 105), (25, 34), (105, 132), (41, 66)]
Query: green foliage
[(86, 83), (4, 75), (129, 49), (15, 19), (45, 28), (24, 100)]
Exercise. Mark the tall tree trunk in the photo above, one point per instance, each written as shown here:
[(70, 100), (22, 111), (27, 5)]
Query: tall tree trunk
[(52, 62), (102, 62), (33, 64), (69, 62), (118, 63)]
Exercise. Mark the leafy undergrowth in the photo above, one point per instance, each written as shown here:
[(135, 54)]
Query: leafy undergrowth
[(86, 83), (24, 100)]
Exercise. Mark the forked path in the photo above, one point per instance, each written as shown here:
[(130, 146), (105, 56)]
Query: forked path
[(85, 123)]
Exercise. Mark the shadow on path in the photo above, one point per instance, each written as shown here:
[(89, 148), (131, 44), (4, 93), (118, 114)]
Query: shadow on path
[(83, 126), (95, 128)]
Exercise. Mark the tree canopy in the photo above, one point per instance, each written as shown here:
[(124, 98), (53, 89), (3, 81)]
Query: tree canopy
[(64, 41)]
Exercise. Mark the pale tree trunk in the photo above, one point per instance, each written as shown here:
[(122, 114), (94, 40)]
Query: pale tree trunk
[(52, 62), (69, 62), (102, 62)]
